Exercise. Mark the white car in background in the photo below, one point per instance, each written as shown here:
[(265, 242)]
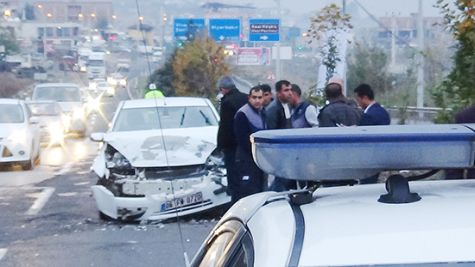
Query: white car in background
[(403, 222), (19, 136), (158, 160), (51, 121), (70, 98)]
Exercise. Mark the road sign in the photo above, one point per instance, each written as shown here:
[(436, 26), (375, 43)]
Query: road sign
[(187, 28), (253, 56), (225, 29), (264, 30)]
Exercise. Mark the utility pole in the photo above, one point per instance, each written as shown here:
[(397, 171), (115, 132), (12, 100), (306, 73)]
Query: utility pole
[(393, 40), (420, 59), (343, 7), (277, 60)]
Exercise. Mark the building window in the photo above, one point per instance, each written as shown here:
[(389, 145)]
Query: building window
[(49, 32)]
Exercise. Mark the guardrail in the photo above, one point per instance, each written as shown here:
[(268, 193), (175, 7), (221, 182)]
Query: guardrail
[(413, 115)]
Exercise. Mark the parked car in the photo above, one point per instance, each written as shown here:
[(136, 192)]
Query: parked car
[(69, 96), (399, 223), (19, 138), (51, 121), (159, 159)]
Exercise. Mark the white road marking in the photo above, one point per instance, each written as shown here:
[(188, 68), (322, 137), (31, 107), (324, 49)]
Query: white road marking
[(40, 201), (82, 183), (3, 251), (68, 194), (67, 167)]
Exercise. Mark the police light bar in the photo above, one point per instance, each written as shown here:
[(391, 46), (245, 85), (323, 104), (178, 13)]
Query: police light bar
[(344, 153)]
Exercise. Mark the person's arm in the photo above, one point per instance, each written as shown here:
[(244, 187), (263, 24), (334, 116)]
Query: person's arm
[(311, 115), (242, 132), (225, 130)]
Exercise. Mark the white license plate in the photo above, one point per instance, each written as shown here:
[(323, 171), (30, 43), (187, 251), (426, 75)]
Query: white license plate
[(182, 201)]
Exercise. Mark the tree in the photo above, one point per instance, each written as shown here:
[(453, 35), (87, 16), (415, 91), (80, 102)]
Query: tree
[(197, 67), (325, 27), (369, 64), (7, 40), (457, 90), (164, 76)]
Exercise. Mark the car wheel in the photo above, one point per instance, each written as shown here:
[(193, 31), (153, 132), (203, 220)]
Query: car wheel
[(28, 165)]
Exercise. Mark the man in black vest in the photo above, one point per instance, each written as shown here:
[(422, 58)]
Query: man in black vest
[(304, 114), (248, 120), (231, 101)]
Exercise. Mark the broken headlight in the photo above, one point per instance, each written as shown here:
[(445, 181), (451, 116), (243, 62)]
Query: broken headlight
[(115, 160), (215, 162)]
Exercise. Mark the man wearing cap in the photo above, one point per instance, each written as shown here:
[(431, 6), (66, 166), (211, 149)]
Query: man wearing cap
[(231, 102), (339, 111)]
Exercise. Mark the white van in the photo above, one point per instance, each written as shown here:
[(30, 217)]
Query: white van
[(96, 65)]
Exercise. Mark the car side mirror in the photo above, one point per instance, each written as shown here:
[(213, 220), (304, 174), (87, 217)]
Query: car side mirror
[(34, 120), (97, 137)]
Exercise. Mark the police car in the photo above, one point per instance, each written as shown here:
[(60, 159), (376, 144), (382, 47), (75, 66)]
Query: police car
[(400, 223)]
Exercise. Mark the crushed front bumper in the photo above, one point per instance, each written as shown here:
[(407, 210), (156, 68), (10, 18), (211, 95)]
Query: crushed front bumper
[(166, 203)]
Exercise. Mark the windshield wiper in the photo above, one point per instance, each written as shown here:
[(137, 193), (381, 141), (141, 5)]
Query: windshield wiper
[(182, 117), (207, 121)]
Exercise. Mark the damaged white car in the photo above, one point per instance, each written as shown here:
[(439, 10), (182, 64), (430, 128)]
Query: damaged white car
[(159, 160)]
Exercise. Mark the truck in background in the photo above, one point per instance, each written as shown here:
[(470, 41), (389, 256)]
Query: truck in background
[(96, 65)]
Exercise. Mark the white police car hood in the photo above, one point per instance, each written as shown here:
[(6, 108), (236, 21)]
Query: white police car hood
[(177, 147)]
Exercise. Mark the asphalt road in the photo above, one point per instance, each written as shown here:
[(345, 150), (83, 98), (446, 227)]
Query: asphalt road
[(48, 215)]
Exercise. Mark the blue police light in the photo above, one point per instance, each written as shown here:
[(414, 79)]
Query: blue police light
[(357, 152)]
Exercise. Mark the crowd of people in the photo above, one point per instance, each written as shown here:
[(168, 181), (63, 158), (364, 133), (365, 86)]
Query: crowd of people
[(243, 115)]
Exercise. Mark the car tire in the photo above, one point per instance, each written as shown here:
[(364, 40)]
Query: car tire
[(28, 165)]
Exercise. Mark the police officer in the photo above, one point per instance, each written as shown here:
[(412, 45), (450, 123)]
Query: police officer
[(153, 92)]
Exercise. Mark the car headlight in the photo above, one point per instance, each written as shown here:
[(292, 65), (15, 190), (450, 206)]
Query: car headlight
[(117, 161), (56, 132), (215, 162), (123, 82), (93, 103), (111, 81), (83, 69)]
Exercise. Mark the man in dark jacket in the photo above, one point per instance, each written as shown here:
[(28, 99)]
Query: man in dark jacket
[(248, 120), (278, 111), (339, 111), (231, 101), (374, 113), (278, 115)]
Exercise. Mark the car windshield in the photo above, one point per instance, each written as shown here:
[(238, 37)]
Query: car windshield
[(44, 109), (136, 119), (11, 113), (95, 63), (60, 93)]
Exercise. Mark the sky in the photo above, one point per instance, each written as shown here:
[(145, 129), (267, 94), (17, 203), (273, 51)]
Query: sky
[(377, 7)]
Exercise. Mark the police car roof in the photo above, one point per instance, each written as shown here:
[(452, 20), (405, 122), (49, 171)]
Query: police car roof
[(168, 101), (347, 226), (359, 152)]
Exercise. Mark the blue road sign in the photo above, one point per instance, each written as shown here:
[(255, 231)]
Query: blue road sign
[(225, 29), (264, 30), (187, 28)]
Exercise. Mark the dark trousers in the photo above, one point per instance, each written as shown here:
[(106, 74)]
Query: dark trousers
[(251, 178), (231, 173), (281, 184)]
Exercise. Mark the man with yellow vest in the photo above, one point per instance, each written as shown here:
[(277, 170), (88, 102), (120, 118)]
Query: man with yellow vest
[(153, 92)]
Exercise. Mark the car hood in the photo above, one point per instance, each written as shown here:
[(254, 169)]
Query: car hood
[(6, 129), (69, 106), (190, 146)]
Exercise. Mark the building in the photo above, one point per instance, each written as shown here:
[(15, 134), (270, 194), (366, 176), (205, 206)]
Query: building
[(88, 12)]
